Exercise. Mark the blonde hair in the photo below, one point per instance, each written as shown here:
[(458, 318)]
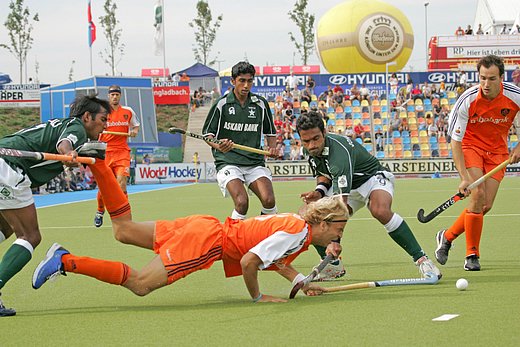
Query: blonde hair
[(325, 209)]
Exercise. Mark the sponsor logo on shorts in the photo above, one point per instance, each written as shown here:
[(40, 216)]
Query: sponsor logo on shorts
[(6, 193)]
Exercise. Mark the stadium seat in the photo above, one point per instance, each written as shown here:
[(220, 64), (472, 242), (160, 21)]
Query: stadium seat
[(348, 122), (414, 140), (428, 108), (338, 109), (348, 109), (396, 133), (444, 101), (452, 95), (416, 154), (380, 155), (356, 121), (314, 97), (313, 104), (405, 133), (330, 110), (435, 102), (412, 127), (376, 103), (356, 103), (340, 122), (407, 146), (398, 147), (364, 102), (356, 109), (418, 102), (359, 140), (331, 115), (368, 147), (398, 154), (427, 102), (425, 147), (425, 154), (434, 146), (410, 108), (397, 140), (384, 102), (365, 122), (347, 103), (407, 154), (433, 139), (402, 115), (412, 120), (377, 121), (330, 122), (444, 153)]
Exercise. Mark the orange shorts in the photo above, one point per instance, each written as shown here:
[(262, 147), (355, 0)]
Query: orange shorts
[(486, 161), (188, 244), (119, 162)]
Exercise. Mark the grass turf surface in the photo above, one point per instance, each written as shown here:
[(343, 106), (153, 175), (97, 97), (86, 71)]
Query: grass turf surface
[(208, 309)]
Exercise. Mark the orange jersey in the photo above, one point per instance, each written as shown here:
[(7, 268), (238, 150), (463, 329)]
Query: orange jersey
[(478, 122), (120, 120), (196, 242)]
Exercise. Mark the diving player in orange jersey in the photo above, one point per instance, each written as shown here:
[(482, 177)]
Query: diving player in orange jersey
[(185, 245), (121, 119), (479, 125)]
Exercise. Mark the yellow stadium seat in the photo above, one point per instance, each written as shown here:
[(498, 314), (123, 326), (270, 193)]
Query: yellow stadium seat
[(377, 121), (407, 154), (384, 102), (410, 103), (412, 121), (357, 121), (356, 109), (443, 145), (347, 103), (423, 133), (384, 114), (414, 140), (340, 122), (412, 115), (364, 103), (412, 126), (425, 147), (513, 138), (444, 101), (418, 102), (403, 115), (452, 95), (314, 97)]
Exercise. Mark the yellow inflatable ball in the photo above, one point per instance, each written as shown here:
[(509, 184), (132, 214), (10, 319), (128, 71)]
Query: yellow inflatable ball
[(362, 36)]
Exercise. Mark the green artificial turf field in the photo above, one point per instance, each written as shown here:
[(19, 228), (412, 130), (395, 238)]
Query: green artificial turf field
[(208, 309)]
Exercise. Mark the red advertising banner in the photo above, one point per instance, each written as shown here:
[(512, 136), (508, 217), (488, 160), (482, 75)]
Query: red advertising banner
[(277, 70), (306, 69), (258, 71), (169, 93), (155, 72)]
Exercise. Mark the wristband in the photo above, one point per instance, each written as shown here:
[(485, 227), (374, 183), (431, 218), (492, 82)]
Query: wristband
[(299, 277), (322, 188), (338, 240), (255, 300)]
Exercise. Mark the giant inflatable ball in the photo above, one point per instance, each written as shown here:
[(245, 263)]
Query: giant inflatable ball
[(362, 36)]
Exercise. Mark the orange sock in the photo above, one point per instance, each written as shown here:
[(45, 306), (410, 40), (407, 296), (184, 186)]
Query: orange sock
[(473, 226), (112, 272), (115, 200), (100, 204), (456, 228)]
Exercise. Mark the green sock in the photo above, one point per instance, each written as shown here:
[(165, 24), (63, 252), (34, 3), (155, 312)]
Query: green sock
[(14, 260), (403, 236)]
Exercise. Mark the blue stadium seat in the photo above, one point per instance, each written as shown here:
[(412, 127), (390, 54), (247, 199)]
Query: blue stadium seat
[(427, 102), (368, 147), (433, 139), (359, 140), (396, 133), (416, 154), (407, 146), (331, 122), (405, 133), (380, 155), (355, 103)]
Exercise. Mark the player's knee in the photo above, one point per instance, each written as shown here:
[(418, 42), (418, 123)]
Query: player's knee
[(33, 237), (268, 201), (241, 204), (487, 208), (381, 213)]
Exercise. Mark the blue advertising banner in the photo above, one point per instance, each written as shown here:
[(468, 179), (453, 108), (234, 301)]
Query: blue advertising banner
[(270, 86)]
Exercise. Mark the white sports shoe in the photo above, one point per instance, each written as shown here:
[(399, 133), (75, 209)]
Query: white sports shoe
[(331, 271), (427, 268)]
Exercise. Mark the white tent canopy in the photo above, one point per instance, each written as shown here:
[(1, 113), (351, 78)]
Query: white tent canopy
[(493, 14)]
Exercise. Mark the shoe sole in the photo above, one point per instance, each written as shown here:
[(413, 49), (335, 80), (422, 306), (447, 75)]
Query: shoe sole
[(7, 312), (439, 237), (48, 257)]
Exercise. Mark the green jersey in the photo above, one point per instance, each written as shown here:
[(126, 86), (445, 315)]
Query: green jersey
[(245, 125), (44, 137), (345, 162)]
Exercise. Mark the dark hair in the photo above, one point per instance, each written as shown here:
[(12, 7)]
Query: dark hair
[(491, 60), (242, 68), (86, 103), (310, 120), (114, 89)]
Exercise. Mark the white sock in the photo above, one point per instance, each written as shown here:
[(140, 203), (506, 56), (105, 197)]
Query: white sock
[(236, 215), (2, 236), (24, 243), (394, 223), (273, 210)]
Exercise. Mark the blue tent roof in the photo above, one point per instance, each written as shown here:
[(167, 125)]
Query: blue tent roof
[(199, 70), (4, 78)]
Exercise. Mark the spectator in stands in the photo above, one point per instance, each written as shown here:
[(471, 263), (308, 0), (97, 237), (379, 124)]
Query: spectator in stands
[(311, 83), (416, 93), (469, 31), (278, 107), (409, 86), (442, 90), (324, 94), (515, 76), (350, 132), (433, 130), (338, 98), (295, 150), (479, 30), (379, 140), (504, 30), (306, 95), (463, 79), (330, 100), (364, 92), (146, 159), (394, 83), (395, 122), (358, 131), (176, 77), (215, 94), (427, 91), (338, 87), (354, 92), (441, 126), (459, 31), (184, 77)]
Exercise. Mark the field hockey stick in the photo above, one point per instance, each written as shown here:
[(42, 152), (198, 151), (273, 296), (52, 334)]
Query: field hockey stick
[(459, 196), (311, 276), (218, 142), (8, 152), (385, 283), (115, 133)]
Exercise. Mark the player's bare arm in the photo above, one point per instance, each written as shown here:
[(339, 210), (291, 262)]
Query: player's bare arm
[(225, 146), (250, 263), (271, 146), (65, 147), (133, 131)]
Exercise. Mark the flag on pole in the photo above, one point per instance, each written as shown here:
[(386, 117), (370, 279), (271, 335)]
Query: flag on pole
[(91, 26), (515, 30), (159, 29)]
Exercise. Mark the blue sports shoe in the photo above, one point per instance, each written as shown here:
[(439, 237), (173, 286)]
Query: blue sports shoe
[(50, 267)]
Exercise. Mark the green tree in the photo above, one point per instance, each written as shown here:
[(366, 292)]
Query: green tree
[(19, 27), (114, 52), (305, 22), (205, 32)]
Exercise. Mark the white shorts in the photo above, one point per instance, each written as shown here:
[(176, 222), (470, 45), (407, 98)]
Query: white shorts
[(15, 188), (383, 180), (247, 174)]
